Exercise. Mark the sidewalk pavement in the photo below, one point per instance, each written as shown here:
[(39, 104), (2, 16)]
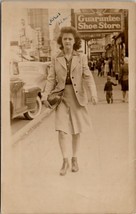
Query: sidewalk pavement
[(102, 184)]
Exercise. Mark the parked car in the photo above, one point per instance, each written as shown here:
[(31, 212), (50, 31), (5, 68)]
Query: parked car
[(27, 83), (34, 73), (24, 99)]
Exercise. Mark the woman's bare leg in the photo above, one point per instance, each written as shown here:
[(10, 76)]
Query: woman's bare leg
[(75, 147), (63, 142), (75, 144)]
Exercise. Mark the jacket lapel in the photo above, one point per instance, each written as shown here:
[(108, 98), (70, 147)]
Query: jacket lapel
[(75, 61), (62, 61)]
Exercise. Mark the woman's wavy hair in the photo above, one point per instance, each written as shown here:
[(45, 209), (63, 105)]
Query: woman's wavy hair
[(73, 31)]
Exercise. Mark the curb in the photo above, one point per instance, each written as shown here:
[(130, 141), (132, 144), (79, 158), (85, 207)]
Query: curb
[(31, 125)]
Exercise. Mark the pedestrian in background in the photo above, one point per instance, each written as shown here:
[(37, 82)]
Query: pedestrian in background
[(102, 69), (106, 67), (70, 72), (109, 90), (110, 66), (91, 65), (123, 78), (99, 64)]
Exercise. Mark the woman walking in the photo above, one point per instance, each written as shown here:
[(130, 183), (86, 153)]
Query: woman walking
[(124, 73), (106, 67), (70, 72)]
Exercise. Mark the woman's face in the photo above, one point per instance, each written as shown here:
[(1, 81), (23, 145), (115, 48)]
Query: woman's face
[(68, 40)]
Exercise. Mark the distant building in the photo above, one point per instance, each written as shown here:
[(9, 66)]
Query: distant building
[(38, 20)]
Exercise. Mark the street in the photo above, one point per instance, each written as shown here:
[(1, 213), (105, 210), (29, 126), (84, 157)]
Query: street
[(19, 122), (102, 183)]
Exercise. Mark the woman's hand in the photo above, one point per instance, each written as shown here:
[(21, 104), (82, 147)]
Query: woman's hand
[(45, 101), (47, 104), (94, 100)]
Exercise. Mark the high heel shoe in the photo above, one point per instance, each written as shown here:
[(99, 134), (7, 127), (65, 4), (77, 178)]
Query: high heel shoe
[(65, 167), (75, 167)]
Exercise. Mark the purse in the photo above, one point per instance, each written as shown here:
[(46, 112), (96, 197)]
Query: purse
[(55, 97)]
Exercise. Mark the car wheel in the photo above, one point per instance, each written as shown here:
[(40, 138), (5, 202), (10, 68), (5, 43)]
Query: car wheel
[(30, 115)]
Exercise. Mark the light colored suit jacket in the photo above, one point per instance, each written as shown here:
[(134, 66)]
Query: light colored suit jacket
[(81, 77)]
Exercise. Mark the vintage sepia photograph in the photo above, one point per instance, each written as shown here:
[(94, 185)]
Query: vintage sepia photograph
[(68, 107)]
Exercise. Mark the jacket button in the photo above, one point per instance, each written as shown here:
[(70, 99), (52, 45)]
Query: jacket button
[(76, 91), (74, 84), (72, 77)]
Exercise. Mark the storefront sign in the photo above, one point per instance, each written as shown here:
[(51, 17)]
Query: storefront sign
[(91, 36), (87, 22), (97, 48)]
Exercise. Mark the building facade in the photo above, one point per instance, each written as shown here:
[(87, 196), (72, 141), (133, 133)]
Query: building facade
[(38, 20)]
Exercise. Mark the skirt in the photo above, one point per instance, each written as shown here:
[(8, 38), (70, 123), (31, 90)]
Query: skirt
[(70, 117)]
